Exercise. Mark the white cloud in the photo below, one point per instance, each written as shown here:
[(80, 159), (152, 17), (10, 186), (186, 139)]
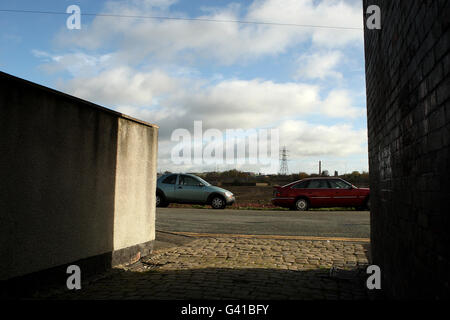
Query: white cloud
[(173, 103), (327, 13), (224, 43), (226, 104), (319, 65), (339, 104), (121, 86), (77, 64), (305, 139)]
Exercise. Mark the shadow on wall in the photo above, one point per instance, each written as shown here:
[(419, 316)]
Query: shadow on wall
[(408, 107), (58, 179), (58, 169)]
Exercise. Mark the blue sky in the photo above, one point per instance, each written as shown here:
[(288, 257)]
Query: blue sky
[(306, 82)]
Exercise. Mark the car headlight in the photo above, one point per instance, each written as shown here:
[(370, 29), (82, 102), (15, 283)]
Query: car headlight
[(228, 194)]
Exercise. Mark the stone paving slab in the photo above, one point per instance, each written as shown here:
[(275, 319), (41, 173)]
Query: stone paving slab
[(238, 268)]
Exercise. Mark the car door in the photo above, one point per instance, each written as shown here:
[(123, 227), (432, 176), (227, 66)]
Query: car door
[(344, 195), (167, 185), (190, 190), (319, 193)]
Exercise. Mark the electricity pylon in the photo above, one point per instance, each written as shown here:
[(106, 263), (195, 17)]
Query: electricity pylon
[(284, 162)]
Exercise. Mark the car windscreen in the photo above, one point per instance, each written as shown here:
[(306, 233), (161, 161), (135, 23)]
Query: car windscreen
[(203, 181)]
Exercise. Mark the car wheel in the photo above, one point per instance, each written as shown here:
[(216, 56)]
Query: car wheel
[(301, 204), (218, 203), (368, 204), (161, 201)]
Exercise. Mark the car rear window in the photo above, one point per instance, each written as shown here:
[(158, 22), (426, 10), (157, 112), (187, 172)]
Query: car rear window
[(338, 184), (301, 185)]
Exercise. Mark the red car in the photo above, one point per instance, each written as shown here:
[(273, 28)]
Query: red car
[(321, 192)]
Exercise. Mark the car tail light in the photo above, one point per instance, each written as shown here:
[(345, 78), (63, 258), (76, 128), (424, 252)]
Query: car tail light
[(277, 191)]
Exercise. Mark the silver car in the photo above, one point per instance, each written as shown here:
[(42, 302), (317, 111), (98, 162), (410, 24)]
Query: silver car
[(188, 188)]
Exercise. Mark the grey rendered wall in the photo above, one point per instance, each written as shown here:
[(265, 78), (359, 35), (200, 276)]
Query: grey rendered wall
[(408, 109), (65, 192), (134, 219)]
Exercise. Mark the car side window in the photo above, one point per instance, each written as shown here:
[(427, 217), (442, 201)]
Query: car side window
[(318, 184), (338, 184), (188, 181), (301, 185), (172, 179)]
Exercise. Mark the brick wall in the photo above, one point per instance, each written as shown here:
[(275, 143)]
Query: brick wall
[(408, 109)]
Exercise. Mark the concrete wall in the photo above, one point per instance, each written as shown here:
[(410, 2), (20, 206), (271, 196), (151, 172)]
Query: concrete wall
[(408, 108), (134, 220), (77, 181)]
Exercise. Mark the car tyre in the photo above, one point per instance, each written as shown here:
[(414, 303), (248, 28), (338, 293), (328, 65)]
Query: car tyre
[(161, 201), (301, 204), (367, 206), (218, 202)]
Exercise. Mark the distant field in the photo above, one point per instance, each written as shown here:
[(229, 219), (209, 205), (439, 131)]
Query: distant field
[(251, 194), (247, 197)]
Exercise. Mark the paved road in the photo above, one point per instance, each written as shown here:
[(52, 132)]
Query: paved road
[(349, 224)]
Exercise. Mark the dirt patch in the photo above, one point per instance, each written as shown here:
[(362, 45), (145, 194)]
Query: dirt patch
[(252, 194)]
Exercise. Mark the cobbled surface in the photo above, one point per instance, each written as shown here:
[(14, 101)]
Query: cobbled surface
[(234, 268)]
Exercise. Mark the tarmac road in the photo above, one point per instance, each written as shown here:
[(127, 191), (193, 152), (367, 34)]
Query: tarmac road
[(346, 224)]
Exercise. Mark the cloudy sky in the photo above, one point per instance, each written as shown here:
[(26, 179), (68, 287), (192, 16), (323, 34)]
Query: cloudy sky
[(307, 82)]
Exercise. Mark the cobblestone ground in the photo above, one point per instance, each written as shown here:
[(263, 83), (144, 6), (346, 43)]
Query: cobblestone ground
[(233, 268)]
